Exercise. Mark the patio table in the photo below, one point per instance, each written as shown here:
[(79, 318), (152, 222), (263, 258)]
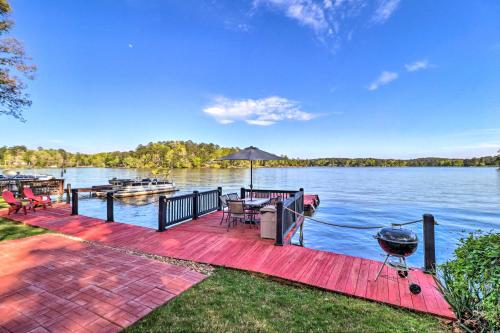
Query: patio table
[(255, 203)]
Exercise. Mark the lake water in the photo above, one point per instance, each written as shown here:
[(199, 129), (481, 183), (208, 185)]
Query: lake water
[(461, 199)]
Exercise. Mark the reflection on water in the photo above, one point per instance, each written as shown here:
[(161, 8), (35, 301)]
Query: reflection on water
[(461, 199)]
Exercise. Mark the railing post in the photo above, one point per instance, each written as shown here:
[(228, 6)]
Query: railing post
[(219, 202), (109, 205), (68, 193), (429, 243), (162, 209), (195, 205), (279, 223), (74, 202), (292, 195), (301, 200), (242, 193), (301, 234)]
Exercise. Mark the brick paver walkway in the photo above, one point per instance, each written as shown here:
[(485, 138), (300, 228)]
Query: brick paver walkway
[(50, 283)]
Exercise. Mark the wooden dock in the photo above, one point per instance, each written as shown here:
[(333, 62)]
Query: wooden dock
[(205, 240), (39, 187), (311, 202)]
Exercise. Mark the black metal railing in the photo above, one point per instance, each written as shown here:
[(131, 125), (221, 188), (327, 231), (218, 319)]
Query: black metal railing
[(171, 210), (208, 201), (181, 208), (286, 215), (260, 193), (175, 209)]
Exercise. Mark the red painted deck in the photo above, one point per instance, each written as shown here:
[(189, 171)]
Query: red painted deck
[(205, 241), (50, 283)]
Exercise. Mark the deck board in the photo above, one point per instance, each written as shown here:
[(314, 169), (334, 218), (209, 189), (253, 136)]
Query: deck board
[(207, 241), (344, 275), (353, 275)]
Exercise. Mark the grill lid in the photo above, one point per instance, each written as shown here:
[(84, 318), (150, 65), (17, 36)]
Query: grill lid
[(398, 235)]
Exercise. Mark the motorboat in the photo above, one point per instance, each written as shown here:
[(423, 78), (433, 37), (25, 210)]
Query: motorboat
[(12, 175), (135, 187)]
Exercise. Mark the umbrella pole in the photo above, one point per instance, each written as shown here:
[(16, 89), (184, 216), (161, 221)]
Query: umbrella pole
[(251, 180)]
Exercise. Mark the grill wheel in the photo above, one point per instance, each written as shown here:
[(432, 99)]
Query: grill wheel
[(415, 289)]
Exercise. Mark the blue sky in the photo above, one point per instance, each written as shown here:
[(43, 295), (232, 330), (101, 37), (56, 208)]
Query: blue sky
[(351, 78)]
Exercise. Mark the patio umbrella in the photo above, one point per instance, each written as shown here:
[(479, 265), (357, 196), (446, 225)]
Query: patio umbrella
[(251, 154)]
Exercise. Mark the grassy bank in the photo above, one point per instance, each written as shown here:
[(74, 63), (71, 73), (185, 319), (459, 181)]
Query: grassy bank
[(235, 301), (12, 230)]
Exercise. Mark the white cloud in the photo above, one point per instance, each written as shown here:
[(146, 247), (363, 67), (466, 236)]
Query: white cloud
[(261, 112), (306, 12), (384, 10), (130, 45), (384, 78), (417, 65), (331, 20)]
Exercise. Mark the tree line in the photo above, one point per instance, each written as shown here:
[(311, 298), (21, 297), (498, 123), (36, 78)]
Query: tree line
[(187, 154)]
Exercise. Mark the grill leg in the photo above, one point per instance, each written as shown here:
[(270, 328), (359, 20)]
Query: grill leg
[(407, 269), (405, 265), (382, 267)]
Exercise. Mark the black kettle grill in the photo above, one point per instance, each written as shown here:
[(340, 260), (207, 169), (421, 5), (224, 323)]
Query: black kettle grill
[(398, 243)]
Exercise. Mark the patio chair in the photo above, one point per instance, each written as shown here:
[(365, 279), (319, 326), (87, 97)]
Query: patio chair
[(225, 209), (15, 205), (236, 212), (233, 196), (37, 200)]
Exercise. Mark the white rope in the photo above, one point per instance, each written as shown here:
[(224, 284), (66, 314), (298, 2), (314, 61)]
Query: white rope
[(350, 226)]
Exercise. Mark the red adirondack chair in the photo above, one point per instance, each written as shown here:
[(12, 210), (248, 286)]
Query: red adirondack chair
[(14, 205), (37, 200)]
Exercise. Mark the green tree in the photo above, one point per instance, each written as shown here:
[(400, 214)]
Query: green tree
[(13, 62)]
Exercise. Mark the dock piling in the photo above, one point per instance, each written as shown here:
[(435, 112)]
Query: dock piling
[(74, 202), (429, 243), (68, 193), (162, 217), (109, 205)]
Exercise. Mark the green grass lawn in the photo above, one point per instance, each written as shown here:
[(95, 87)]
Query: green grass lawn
[(14, 230), (3, 204), (235, 301)]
